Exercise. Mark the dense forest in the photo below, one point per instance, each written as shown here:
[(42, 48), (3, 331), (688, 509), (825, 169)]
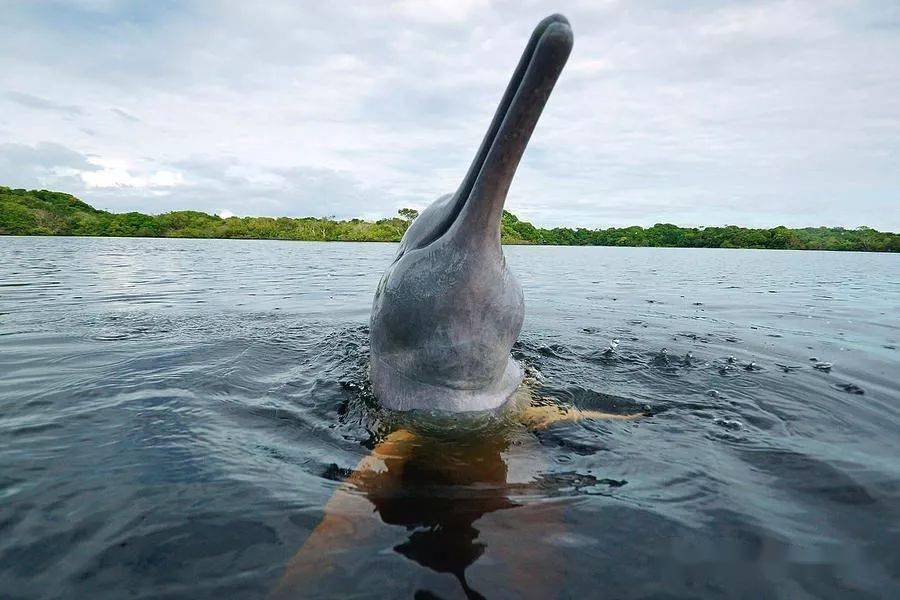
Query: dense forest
[(40, 212)]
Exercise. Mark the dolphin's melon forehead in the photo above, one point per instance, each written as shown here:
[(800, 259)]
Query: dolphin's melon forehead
[(448, 310)]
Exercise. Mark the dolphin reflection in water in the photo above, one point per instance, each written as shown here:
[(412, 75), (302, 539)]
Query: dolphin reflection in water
[(445, 317)]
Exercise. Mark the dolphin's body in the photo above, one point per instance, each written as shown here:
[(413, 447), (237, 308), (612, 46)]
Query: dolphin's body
[(446, 314), (448, 310)]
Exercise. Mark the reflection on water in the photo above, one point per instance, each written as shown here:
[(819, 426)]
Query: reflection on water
[(189, 418)]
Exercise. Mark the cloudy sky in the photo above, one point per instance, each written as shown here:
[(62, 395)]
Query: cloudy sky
[(692, 112)]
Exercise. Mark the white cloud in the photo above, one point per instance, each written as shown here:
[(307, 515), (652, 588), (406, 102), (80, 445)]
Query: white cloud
[(116, 173), (165, 179), (694, 113), (439, 11), (110, 178)]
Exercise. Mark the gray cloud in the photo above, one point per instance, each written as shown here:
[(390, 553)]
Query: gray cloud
[(208, 184), (45, 165), (125, 115), (780, 111), (216, 184), (39, 103)]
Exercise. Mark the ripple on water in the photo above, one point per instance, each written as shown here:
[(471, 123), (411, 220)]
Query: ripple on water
[(169, 433)]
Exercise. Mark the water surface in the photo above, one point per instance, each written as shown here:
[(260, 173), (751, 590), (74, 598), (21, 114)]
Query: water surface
[(175, 415)]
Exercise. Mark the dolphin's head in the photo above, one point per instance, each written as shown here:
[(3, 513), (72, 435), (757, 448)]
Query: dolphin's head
[(447, 311)]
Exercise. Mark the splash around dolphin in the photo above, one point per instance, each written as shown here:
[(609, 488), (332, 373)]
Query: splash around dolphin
[(448, 310)]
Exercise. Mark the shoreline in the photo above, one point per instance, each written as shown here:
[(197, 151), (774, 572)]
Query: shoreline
[(524, 244), (43, 213)]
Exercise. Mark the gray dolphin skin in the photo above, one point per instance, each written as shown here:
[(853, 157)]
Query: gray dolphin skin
[(448, 310)]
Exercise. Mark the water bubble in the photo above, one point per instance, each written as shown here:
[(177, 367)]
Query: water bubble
[(732, 424), (533, 373), (713, 393), (611, 349), (662, 357)]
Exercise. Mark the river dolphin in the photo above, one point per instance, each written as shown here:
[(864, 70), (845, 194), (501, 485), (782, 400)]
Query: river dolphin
[(448, 310)]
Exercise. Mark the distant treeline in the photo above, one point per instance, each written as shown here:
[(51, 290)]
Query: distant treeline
[(40, 212)]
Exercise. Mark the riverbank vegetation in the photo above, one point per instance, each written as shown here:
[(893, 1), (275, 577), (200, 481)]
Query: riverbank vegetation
[(41, 212)]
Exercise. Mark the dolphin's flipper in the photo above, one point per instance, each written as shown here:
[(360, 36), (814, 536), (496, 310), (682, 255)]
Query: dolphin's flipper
[(348, 521), (541, 416)]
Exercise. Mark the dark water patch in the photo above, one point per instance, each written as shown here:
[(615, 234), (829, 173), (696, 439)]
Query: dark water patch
[(805, 475), (850, 388), (166, 551), (33, 430)]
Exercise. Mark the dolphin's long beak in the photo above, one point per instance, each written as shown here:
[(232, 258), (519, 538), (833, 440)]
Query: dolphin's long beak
[(480, 199)]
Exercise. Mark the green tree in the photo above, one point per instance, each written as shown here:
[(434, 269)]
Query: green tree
[(43, 212), (409, 214)]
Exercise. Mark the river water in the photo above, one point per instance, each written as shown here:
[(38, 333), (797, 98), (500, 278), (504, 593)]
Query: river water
[(175, 415)]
